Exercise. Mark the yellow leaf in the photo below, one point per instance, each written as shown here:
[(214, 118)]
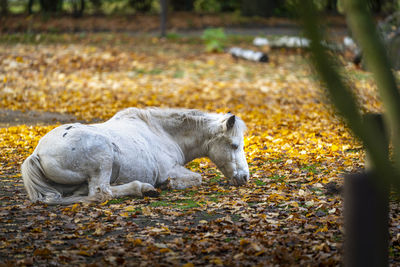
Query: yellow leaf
[(104, 203), (146, 211), (84, 253), (130, 208), (138, 242), (259, 253), (217, 261), (75, 207), (164, 250), (334, 148), (36, 230), (322, 229), (244, 242), (41, 252)]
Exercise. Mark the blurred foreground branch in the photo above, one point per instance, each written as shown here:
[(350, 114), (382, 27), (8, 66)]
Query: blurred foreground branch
[(366, 194), (345, 101)]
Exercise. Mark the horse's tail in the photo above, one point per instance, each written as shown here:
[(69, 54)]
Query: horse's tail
[(38, 187)]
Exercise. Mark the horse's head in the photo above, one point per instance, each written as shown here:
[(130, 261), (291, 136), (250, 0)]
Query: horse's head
[(225, 149)]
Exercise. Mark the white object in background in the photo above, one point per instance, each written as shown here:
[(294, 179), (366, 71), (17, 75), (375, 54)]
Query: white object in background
[(248, 54), (260, 41)]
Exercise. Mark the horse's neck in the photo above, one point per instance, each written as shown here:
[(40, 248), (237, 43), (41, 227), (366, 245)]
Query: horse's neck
[(190, 134)]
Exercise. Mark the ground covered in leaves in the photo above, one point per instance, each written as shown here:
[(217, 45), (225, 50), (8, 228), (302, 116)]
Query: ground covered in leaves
[(289, 214)]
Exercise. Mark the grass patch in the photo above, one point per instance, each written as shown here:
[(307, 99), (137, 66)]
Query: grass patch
[(178, 204), (164, 193), (186, 204), (117, 200), (216, 179), (313, 169), (156, 204), (315, 189), (193, 165), (213, 199), (278, 178), (155, 71), (358, 75), (260, 182), (173, 36), (353, 150), (275, 160), (179, 74), (190, 193), (235, 217)]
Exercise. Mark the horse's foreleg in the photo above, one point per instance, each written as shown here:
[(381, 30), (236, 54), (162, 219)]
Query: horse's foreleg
[(181, 178), (135, 188)]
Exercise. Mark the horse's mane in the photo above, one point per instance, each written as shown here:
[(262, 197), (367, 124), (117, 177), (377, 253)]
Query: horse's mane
[(190, 119)]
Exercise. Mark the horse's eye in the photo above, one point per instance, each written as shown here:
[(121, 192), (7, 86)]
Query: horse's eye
[(234, 146)]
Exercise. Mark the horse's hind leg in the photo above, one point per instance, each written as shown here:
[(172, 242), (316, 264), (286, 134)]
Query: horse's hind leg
[(99, 180), (83, 190), (181, 178), (135, 188)]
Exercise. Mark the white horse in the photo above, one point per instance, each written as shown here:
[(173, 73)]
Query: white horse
[(131, 153)]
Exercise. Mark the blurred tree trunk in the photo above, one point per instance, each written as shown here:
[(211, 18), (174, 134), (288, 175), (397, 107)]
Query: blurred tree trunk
[(97, 6), (366, 210), (51, 6), (163, 17), (78, 8), (4, 7), (30, 6)]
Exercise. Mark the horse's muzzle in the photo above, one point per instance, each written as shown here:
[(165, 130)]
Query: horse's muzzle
[(240, 179)]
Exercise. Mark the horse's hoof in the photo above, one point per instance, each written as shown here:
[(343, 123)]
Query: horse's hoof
[(166, 185), (151, 193)]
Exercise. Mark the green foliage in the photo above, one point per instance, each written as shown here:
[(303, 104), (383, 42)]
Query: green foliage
[(293, 5), (213, 6), (141, 5), (214, 39)]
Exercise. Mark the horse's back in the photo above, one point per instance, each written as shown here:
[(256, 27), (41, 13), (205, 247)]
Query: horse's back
[(143, 152)]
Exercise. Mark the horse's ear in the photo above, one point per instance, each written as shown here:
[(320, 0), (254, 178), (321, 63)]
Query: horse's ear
[(230, 122)]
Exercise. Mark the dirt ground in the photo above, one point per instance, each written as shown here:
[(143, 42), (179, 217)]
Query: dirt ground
[(139, 23), (15, 117)]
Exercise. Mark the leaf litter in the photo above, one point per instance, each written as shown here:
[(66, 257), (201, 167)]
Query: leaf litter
[(290, 212)]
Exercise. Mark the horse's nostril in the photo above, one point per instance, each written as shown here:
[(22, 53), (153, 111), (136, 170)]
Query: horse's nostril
[(245, 178)]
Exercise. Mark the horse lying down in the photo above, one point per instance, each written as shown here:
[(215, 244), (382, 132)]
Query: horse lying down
[(131, 154)]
